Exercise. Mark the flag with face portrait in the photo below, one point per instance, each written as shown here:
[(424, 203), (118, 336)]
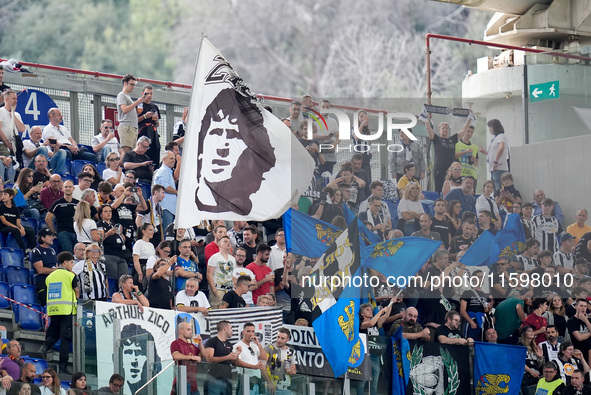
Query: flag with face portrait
[(237, 156)]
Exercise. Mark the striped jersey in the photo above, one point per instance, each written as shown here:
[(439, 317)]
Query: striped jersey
[(546, 231), (564, 259)]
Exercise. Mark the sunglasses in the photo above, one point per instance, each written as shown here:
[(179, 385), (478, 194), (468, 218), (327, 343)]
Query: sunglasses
[(94, 250)]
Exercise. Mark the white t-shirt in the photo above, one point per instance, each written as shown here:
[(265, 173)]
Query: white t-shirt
[(242, 271), (29, 145), (84, 235), (113, 144), (409, 205), (59, 132), (199, 300), (144, 249), (108, 173), (222, 275), (8, 126), (493, 149), (247, 356)]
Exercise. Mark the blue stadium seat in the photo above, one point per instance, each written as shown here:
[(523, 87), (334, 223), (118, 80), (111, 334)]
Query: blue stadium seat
[(112, 286), (24, 293), (8, 241), (146, 189), (4, 290), (77, 166), (28, 319), (428, 208), (17, 275), (2, 278), (430, 195), (30, 223), (8, 185), (393, 207), (66, 385), (100, 167), (40, 364), (66, 177), (12, 257)]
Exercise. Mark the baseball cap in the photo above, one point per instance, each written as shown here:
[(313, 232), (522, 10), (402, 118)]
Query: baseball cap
[(566, 237), (45, 232)]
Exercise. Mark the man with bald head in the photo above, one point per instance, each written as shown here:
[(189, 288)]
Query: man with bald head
[(539, 196), (53, 192), (411, 329), (34, 147), (579, 228), (426, 232), (186, 353)]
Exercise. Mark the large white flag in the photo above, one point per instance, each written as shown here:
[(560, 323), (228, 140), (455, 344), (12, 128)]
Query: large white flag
[(240, 162)]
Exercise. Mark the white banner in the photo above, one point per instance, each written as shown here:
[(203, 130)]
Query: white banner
[(237, 157)]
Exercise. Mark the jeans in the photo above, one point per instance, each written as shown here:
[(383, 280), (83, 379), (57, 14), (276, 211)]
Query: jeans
[(167, 218), (7, 173), (81, 155), (213, 386), (495, 177), (31, 213), (66, 241), (57, 162), (102, 154), (116, 267)]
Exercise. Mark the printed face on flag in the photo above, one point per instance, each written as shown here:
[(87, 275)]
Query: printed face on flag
[(240, 158), (222, 147)]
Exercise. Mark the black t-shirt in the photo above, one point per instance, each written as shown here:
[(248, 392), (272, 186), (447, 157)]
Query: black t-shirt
[(574, 324), (443, 330), (113, 244), (328, 213), (251, 253), (147, 107), (39, 177), (220, 349), (581, 248), (445, 150), (63, 212), (159, 293), (124, 215), (458, 242), (143, 172), (474, 304), (444, 228), (11, 214), (233, 300)]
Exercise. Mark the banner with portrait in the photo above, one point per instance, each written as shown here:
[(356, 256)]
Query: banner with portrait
[(241, 155)]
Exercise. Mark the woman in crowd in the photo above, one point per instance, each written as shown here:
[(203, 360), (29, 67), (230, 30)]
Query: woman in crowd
[(50, 383), (487, 202), (142, 250), (556, 315), (159, 288), (357, 185), (534, 357), (116, 254), (24, 183), (85, 227), (453, 178), (78, 385), (113, 172), (129, 293), (163, 251), (92, 280), (454, 208), (363, 124), (498, 153), (90, 168), (410, 209)]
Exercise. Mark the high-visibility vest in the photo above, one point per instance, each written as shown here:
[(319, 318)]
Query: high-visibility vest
[(549, 386), (61, 298)]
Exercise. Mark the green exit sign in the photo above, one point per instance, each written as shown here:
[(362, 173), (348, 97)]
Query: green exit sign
[(544, 91)]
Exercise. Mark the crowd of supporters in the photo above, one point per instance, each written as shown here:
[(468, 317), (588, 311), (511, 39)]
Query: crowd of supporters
[(119, 226)]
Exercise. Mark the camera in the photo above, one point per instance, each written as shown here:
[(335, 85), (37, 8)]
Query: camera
[(133, 189)]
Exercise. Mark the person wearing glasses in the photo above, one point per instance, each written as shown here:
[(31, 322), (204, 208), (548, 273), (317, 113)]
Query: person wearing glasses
[(34, 147), (93, 277), (450, 333), (50, 383), (53, 192), (137, 160), (115, 384), (163, 251), (59, 137), (252, 357), (159, 289), (105, 142), (113, 172), (127, 113)]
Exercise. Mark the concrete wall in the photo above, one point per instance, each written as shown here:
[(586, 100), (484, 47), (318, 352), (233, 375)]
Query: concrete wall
[(559, 168)]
